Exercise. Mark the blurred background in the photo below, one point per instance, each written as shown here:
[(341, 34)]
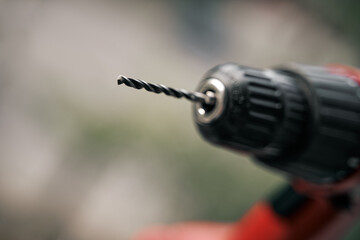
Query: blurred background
[(84, 159)]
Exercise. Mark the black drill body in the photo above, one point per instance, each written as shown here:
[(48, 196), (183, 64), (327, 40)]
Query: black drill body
[(302, 120)]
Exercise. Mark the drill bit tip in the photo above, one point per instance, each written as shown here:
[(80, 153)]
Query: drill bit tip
[(208, 99)]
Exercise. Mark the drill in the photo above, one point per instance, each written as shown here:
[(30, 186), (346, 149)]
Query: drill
[(302, 120), (298, 119)]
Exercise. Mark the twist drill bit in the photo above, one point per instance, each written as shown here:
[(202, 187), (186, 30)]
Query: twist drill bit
[(208, 98)]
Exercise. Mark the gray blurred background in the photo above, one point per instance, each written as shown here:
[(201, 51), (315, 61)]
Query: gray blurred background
[(84, 159)]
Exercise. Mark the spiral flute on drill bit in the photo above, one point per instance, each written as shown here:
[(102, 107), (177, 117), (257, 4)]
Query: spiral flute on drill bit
[(159, 88)]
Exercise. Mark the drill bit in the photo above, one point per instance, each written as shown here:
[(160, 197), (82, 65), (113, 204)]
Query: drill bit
[(208, 98)]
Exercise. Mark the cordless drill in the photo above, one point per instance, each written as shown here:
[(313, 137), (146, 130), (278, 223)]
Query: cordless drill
[(299, 119), (302, 120)]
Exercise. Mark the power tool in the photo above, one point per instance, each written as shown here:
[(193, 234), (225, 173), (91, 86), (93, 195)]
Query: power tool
[(301, 120)]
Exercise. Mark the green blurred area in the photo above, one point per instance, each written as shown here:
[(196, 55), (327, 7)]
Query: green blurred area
[(213, 183)]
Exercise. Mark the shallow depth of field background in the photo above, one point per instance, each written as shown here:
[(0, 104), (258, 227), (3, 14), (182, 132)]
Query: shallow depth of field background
[(84, 159)]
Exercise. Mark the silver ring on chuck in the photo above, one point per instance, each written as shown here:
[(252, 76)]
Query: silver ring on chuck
[(206, 113)]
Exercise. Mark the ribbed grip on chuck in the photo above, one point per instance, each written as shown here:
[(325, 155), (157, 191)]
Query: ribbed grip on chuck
[(277, 110), (265, 112)]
